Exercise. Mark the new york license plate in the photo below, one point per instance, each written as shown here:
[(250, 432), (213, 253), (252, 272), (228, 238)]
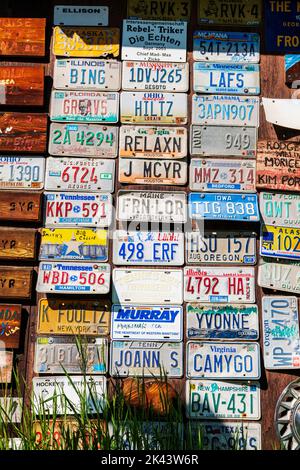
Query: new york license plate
[(280, 242), (138, 171), (80, 15), (281, 209), (214, 206), (230, 12), (22, 172), (283, 276), (227, 435)]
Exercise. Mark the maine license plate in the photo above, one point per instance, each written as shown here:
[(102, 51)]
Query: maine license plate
[(148, 248), (84, 106), (231, 321), (153, 107), (84, 209), (22, 172), (159, 323), (74, 244), (214, 206), (280, 209), (80, 15), (230, 12), (219, 284), (155, 76), (226, 175), (283, 276), (223, 140), (221, 247), (87, 74), (146, 359), (80, 174), (164, 10), (218, 399), (280, 242), (227, 435), (138, 171)]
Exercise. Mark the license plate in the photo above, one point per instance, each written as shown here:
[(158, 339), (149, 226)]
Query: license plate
[(223, 175), (83, 140), (76, 317), (155, 76), (280, 242), (6, 366), (138, 171), (148, 286), (86, 42), (87, 74), (281, 332), (280, 209), (219, 284), (227, 435), (147, 323), (146, 359), (237, 79), (222, 46), (60, 355), (75, 15), (163, 9), (84, 209), (84, 106), (150, 206), (149, 108), (227, 140), (221, 247), (74, 278), (220, 110), (153, 142), (80, 174), (22, 172), (148, 248), (211, 206), (230, 12), (11, 409), (158, 41), (233, 321), (10, 317), (74, 244), (283, 276)]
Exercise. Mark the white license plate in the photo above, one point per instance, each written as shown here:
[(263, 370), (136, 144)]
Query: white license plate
[(148, 248), (281, 332), (73, 277), (87, 74), (11, 409), (280, 209), (80, 15), (159, 323), (84, 106), (225, 175), (226, 360), (227, 435), (80, 174), (146, 359), (84, 210), (283, 276), (138, 171), (22, 172), (216, 284), (155, 76), (158, 41), (148, 286), (218, 399), (150, 206)]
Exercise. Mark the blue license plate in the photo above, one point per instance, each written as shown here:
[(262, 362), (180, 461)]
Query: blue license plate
[(213, 206)]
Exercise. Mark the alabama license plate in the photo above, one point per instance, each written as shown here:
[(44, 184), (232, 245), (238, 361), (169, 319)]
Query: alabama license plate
[(166, 172), (230, 12), (227, 435), (280, 242), (219, 284), (22, 172), (74, 15), (165, 10), (283, 276), (281, 209), (214, 206)]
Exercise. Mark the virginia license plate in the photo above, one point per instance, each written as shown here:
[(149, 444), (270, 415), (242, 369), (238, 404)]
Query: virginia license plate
[(138, 171), (283, 276), (165, 10), (219, 284), (214, 206), (280, 242), (227, 435), (280, 209), (230, 12), (22, 172), (75, 15), (146, 358)]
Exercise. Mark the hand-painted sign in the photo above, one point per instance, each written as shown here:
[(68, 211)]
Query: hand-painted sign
[(23, 132), (20, 206), (283, 36), (21, 85), (10, 324), (22, 36), (15, 282), (17, 243)]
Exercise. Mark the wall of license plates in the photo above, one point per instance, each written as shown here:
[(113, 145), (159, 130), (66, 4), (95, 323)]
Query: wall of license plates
[(150, 199)]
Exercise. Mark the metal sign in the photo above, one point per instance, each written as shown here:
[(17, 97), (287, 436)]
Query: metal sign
[(24, 132), (75, 15), (157, 323), (146, 359), (17, 243), (165, 10), (227, 435), (229, 12), (283, 276), (11, 409), (214, 206), (292, 69), (283, 36), (22, 172), (147, 286), (21, 85), (138, 171), (6, 366), (15, 283), (282, 112), (73, 278), (23, 36), (280, 242), (280, 209), (281, 332), (219, 284), (232, 321), (158, 41), (10, 325)]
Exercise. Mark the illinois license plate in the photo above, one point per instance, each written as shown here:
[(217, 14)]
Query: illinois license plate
[(147, 323), (280, 242), (153, 107), (146, 358), (219, 284), (225, 175), (138, 171), (22, 172), (281, 209), (163, 9), (239, 79), (231, 321), (148, 248), (74, 244), (80, 15), (283, 276), (84, 106), (213, 206), (229, 12), (84, 209), (80, 174), (227, 435)]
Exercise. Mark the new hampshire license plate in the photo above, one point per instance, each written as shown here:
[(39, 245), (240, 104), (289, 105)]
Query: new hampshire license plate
[(280, 242), (214, 206)]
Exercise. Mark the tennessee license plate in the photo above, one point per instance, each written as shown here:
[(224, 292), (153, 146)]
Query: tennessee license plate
[(227, 435), (211, 206), (281, 209), (138, 171), (22, 172), (219, 284), (280, 242), (230, 12), (80, 15), (165, 10), (283, 276)]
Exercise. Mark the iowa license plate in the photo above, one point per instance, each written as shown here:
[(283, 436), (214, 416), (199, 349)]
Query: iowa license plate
[(229, 12), (281, 209), (214, 206), (283, 276), (280, 242), (159, 9), (227, 435), (138, 171), (22, 172), (80, 15)]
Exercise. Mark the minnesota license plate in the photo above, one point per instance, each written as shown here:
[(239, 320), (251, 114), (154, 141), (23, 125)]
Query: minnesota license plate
[(153, 107), (138, 171), (231, 321), (230, 12), (227, 435), (280, 242), (163, 9), (22, 172), (283, 276), (214, 206), (281, 209), (146, 358), (75, 15), (219, 284)]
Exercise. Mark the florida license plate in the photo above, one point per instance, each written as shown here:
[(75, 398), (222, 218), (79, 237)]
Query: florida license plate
[(283, 276), (80, 15), (214, 206), (165, 10), (280, 242), (281, 209), (22, 172), (138, 171), (227, 435), (229, 12)]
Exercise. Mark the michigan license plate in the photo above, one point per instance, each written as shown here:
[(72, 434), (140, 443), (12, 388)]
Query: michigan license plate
[(22, 172), (283, 276), (214, 206), (230, 12), (74, 15), (280, 242), (165, 10), (138, 171), (281, 209), (227, 435)]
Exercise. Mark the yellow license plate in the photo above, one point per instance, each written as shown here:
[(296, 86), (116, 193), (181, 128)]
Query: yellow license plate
[(280, 242), (162, 10), (86, 42), (229, 12)]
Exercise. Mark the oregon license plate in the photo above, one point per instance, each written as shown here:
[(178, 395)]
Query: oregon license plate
[(281, 209), (227, 435), (283, 276), (219, 284), (159, 9), (230, 12), (231, 321), (22, 172), (138, 171), (80, 15), (214, 206), (280, 242)]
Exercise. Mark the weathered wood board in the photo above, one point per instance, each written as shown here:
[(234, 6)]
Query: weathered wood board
[(23, 206), (22, 36), (23, 132), (17, 243), (15, 283), (21, 85)]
